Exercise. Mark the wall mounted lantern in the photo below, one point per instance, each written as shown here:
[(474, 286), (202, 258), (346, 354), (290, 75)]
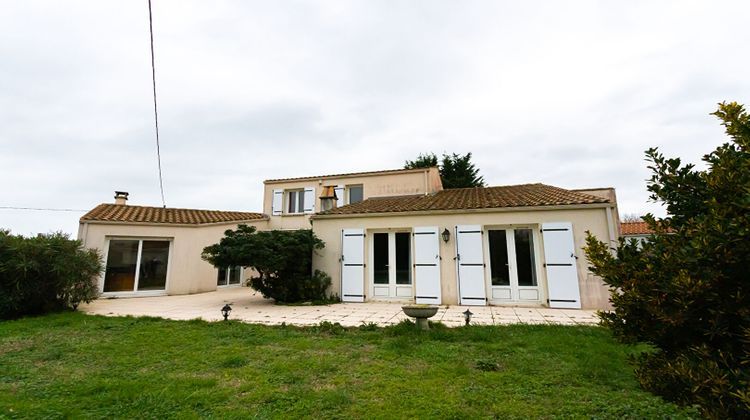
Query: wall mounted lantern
[(446, 235)]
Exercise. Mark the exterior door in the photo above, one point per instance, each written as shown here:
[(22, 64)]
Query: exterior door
[(353, 265), (513, 276), (427, 265), (560, 263), (470, 262), (391, 274)]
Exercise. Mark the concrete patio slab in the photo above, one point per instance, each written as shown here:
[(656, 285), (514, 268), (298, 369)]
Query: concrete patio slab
[(248, 306)]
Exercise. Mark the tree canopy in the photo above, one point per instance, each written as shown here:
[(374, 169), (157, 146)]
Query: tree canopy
[(282, 259), (686, 292), (456, 171)]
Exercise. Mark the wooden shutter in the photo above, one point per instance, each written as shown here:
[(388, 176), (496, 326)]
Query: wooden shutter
[(309, 200), (353, 265), (560, 264), (470, 262), (277, 202), (427, 265)]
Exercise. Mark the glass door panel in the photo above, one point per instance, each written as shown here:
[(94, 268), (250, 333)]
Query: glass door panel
[(499, 270), (122, 260), (154, 260), (380, 257), (525, 257), (221, 277), (403, 258), (235, 274)]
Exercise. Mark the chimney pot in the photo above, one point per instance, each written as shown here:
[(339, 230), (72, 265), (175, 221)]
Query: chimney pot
[(121, 197)]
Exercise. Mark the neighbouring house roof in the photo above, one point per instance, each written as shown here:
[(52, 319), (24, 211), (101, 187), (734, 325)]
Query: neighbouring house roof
[(140, 214), (351, 174), (635, 228), (526, 195)]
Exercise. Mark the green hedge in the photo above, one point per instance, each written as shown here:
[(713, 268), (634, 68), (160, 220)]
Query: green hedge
[(45, 273)]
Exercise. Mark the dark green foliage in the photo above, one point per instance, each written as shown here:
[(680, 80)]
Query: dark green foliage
[(45, 273), (282, 259), (456, 171), (687, 290)]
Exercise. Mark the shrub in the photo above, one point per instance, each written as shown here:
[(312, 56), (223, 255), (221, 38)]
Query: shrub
[(282, 259), (45, 273), (686, 291)]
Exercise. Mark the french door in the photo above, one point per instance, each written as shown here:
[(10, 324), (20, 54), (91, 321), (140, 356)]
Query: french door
[(390, 272), (513, 275)]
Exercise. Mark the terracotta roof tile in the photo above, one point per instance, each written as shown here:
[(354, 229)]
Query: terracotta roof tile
[(141, 214), (635, 228), (527, 195)]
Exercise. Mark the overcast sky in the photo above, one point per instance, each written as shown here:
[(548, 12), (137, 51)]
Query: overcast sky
[(565, 93)]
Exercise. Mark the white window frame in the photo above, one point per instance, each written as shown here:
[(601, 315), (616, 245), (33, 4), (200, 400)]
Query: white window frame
[(299, 207), (396, 292), (135, 291), (514, 288), (228, 275)]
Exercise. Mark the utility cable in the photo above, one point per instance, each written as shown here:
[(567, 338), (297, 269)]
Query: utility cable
[(156, 114)]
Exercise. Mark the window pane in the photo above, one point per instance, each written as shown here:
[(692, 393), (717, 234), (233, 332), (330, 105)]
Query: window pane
[(403, 258), (234, 275), (355, 194), (121, 260), (499, 258), (380, 256), (221, 277), (301, 203), (525, 257), (291, 201), (154, 260)]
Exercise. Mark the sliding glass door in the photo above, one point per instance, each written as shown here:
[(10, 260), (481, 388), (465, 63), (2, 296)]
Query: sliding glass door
[(136, 265)]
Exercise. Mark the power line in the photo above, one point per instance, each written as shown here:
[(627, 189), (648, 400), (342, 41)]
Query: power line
[(156, 114), (38, 209)]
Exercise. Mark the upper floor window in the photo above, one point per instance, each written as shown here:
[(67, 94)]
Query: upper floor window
[(354, 194), (295, 201)]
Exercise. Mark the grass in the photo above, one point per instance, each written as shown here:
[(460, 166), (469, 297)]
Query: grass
[(75, 365)]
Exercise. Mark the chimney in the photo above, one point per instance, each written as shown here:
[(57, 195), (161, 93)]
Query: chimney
[(121, 197)]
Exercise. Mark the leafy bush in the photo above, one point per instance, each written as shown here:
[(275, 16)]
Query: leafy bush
[(686, 291), (46, 273), (282, 259)]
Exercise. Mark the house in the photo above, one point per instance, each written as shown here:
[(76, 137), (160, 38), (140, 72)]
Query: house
[(390, 236), (637, 230)]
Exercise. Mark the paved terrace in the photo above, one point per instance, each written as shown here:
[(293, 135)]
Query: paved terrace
[(247, 306)]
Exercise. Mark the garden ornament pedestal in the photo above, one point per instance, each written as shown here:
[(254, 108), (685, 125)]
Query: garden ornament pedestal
[(420, 313)]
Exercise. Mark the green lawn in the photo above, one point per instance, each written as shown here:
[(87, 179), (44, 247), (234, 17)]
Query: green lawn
[(74, 365)]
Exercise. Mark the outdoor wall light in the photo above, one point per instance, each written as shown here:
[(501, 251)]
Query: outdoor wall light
[(225, 311), (467, 316), (446, 235)]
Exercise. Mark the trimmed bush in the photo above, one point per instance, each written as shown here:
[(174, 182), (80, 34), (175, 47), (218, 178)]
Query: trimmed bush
[(282, 259), (45, 273)]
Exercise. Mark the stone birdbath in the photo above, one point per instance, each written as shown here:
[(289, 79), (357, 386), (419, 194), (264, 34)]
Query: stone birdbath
[(421, 313)]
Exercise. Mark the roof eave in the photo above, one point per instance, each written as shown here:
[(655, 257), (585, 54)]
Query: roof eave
[(118, 222), (464, 211)]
